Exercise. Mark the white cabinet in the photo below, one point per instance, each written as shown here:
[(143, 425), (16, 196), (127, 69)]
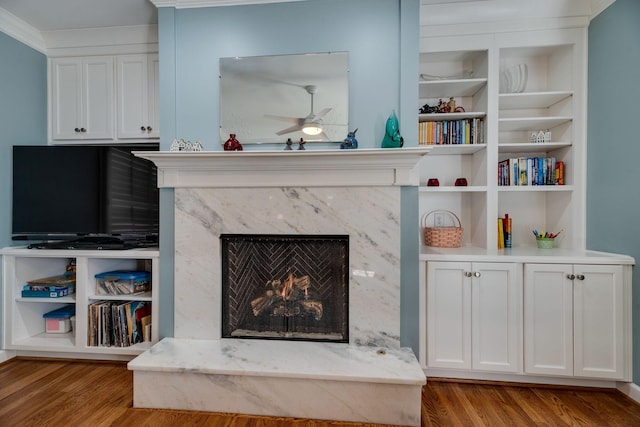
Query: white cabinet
[(137, 96), (23, 324), (574, 323), (82, 98), (474, 316)]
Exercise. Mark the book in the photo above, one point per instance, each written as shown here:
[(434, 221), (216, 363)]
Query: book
[(45, 291), (500, 233), (67, 279)]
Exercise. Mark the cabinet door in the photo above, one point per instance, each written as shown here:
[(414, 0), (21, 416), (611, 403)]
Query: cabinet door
[(598, 321), (98, 98), (448, 315), (66, 99), (548, 319), (137, 96), (496, 307), (153, 103)]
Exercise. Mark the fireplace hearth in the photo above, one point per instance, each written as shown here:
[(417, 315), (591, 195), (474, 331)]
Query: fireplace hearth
[(292, 287)]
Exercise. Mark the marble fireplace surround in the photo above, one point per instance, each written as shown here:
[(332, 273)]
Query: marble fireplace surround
[(352, 192)]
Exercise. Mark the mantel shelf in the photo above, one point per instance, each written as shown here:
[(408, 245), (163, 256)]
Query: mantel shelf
[(312, 168)]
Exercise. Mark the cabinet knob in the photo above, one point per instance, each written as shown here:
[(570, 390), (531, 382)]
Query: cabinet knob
[(580, 277), (142, 128), (149, 129), (477, 274), (468, 274), (77, 129), (83, 130), (571, 276)]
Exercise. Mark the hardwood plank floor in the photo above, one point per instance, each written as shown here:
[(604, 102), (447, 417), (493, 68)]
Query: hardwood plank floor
[(45, 392)]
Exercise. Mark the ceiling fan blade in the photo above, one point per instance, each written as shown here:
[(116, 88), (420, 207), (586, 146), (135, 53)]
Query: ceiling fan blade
[(294, 128), (322, 113), (288, 119)]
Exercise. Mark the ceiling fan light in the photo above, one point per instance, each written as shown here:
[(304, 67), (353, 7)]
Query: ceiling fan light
[(312, 129)]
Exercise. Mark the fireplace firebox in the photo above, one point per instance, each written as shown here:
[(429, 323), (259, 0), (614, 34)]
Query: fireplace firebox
[(292, 287)]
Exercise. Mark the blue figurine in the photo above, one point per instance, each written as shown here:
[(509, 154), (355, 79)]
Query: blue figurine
[(350, 142), (392, 137)]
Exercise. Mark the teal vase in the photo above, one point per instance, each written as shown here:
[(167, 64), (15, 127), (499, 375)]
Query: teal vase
[(392, 137)]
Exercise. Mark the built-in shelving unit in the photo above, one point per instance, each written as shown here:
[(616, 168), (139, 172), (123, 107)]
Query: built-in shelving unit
[(552, 99), (468, 84), (475, 299), (23, 324)]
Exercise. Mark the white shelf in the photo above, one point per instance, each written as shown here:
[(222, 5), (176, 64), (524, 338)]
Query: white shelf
[(146, 296), (452, 87), (461, 149), (438, 117), (536, 188), (512, 124), (526, 100), (52, 342), (133, 350), (532, 148), (61, 300), (453, 189)]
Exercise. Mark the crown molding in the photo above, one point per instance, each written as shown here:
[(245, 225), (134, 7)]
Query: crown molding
[(16, 28), (102, 40), (184, 4), (598, 6)]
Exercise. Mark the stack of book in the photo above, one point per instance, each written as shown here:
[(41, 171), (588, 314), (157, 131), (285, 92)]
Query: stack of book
[(504, 232), (463, 131), (50, 287), (119, 323), (531, 171)]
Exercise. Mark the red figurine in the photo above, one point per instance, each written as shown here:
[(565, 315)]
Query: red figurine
[(232, 144)]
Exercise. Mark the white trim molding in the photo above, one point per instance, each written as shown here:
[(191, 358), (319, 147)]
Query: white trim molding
[(184, 4), (15, 27), (6, 355), (598, 6), (630, 389), (313, 168)]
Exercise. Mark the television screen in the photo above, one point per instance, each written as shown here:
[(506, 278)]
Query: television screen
[(61, 192)]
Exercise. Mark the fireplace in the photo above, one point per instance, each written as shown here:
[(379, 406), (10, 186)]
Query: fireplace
[(356, 193), (292, 287)]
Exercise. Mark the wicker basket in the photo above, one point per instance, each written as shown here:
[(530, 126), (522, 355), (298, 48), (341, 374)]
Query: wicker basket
[(443, 237)]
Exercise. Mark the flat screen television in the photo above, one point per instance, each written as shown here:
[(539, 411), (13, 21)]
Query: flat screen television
[(100, 197)]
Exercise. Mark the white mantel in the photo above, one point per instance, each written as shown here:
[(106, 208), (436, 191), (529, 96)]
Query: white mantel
[(304, 168)]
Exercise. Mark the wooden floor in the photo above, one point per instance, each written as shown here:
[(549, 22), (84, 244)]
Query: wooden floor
[(72, 393)]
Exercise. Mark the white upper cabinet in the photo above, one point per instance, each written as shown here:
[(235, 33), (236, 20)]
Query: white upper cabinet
[(82, 98), (104, 98), (137, 96)]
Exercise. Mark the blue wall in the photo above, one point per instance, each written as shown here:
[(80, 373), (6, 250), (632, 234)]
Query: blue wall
[(23, 114), (381, 37), (613, 194)]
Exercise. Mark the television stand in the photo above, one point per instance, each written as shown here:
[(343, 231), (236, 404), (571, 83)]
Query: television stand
[(88, 243)]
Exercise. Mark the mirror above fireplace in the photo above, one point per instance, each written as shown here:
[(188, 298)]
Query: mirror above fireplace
[(269, 99)]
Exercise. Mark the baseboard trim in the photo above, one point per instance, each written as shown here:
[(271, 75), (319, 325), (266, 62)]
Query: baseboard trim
[(630, 389), (6, 355), (520, 378)]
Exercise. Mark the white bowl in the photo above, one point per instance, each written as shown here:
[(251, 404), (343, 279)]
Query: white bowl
[(514, 79)]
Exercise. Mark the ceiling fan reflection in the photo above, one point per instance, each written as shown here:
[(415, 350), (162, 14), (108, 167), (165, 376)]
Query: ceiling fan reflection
[(310, 125)]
